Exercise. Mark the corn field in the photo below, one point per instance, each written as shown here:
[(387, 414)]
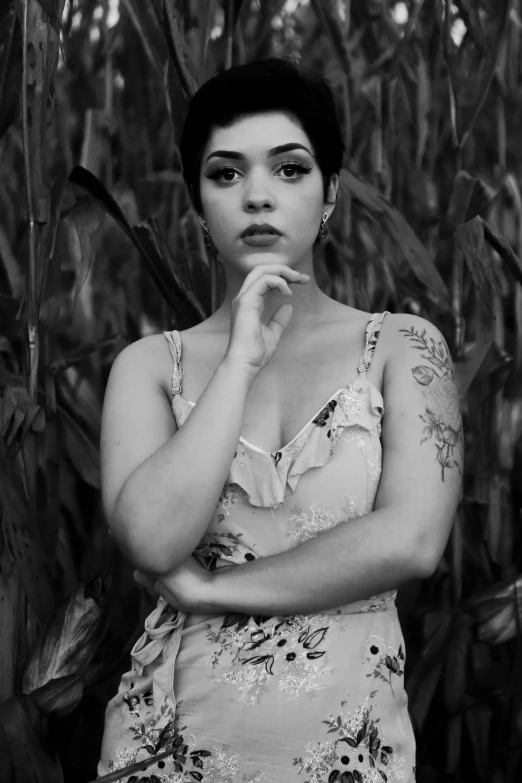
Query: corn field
[(99, 246)]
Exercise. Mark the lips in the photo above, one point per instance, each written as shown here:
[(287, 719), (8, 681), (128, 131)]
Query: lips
[(260, 229)]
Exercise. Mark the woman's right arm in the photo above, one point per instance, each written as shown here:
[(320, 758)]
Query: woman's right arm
[(160, 485)]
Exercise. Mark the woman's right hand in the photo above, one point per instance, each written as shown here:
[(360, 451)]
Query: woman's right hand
[(252, 343)]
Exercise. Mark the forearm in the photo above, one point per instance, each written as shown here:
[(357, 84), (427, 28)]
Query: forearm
[(353, 561), (166, 504)]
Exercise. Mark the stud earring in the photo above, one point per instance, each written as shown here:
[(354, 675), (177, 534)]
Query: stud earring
[(207, 239), (323, 231)]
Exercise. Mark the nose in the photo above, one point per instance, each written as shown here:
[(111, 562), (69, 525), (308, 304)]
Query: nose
[(258, 194)]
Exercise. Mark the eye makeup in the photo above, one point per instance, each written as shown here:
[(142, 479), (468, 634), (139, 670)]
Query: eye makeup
[(298, 167)]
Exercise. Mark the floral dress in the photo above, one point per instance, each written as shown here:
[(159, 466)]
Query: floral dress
[(311, 698)]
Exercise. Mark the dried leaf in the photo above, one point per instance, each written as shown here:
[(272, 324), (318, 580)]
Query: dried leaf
[(69, 640), (498, 611), (61, 695)]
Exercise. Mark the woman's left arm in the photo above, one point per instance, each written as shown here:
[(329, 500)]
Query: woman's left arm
[(405, 535)]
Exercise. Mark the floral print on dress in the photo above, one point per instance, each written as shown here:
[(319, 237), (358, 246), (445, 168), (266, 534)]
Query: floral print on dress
[(306, 526), (179, 758), (386, 661), (260, 647), (285, 456), (231, 494), (211, 549), (358, 752)]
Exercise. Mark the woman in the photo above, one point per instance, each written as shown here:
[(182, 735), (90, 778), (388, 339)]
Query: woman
[(276, 548)]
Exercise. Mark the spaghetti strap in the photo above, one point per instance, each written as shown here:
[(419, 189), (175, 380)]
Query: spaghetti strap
[(373, 330), (174, 341)]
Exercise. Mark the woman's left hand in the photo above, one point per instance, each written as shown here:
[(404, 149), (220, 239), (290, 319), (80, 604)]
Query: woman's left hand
[(187, 588)]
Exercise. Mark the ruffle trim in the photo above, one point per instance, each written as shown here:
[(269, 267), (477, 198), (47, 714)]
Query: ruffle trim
[(268, 477)]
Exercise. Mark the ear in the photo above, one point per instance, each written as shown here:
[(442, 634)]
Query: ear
[(333, 188)]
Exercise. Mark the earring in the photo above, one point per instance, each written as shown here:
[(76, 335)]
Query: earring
[(323, 232), (207, 239)]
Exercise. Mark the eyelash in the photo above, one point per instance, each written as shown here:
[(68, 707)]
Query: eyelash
[(300, 167)]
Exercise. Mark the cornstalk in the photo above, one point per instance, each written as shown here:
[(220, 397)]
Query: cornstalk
[(32, 316)]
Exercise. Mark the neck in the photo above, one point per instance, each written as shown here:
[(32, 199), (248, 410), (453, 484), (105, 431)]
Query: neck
[(310, 306)]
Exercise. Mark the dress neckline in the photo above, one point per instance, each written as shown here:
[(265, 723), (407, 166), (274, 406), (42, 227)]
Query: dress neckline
[(347, 388)]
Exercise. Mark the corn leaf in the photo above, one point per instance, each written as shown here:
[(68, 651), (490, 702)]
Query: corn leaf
[(10, 65), (408, 243), (24, 758), (470, 235)]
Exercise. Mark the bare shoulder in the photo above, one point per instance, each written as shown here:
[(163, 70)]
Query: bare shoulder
[(409, 335), (414, 350), (150, 355), (410, 339)]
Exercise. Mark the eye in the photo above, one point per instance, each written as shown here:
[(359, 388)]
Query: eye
[(223, 175), (297, 170)]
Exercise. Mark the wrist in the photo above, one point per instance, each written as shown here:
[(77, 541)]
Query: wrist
[(209, 594), (242, 374)]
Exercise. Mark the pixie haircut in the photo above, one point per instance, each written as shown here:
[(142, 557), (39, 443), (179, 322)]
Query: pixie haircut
[(273, 84)]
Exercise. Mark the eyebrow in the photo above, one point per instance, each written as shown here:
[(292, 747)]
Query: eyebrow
[(271, 152)]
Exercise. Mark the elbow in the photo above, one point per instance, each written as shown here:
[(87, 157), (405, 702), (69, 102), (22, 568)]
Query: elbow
[(140, 546), (425, 560), (145, 555)]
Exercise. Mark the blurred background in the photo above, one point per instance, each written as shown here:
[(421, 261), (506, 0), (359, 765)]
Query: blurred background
[(99, 246)]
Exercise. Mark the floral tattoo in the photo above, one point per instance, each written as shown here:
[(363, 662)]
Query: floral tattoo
[(438, 385)]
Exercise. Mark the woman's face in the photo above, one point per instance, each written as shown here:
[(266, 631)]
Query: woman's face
[(262, 170)]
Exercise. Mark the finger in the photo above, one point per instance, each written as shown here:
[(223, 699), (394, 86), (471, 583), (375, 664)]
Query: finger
[(143, 580), (169, 598), (280, 271), (253, 296), (280, 320)]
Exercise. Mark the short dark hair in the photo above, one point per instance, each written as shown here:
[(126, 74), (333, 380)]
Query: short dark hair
[(273, 84)]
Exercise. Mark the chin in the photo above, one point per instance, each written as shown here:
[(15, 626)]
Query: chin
[(257, 257)]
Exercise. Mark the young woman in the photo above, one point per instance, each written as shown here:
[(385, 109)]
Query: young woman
[(311, 467)]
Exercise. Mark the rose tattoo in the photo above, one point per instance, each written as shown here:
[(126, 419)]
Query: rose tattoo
[(438, 385)]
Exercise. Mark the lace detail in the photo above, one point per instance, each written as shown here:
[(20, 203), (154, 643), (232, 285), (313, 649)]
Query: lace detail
[(174, 341), (231, 494), (306, 526), (348, 406)]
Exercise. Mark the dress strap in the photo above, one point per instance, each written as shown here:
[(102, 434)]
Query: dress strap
[(373, 330), (174, 341)]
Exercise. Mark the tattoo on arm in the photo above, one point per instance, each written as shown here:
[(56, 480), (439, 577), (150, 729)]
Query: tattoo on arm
[(439, 388)]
